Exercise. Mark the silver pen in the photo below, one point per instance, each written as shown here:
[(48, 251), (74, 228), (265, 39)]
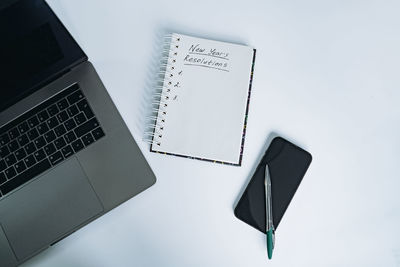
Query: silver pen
[(270, 230)]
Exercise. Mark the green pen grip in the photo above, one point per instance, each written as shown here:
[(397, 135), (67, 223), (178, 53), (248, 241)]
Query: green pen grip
[(270, 243)]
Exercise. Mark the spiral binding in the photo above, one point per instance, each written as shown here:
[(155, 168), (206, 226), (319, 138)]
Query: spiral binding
[(161, 98)]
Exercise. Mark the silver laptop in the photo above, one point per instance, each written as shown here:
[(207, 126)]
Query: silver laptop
[(66, 156)]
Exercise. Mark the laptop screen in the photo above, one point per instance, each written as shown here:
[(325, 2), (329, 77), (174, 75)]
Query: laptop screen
[(35, 48)]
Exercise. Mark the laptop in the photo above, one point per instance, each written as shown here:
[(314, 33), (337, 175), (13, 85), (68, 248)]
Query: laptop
[(66, 155)]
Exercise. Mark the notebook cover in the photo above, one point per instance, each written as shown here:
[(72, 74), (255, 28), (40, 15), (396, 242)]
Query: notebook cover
[(288, 164)]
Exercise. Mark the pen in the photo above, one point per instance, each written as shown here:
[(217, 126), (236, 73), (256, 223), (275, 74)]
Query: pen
[(270, 230)]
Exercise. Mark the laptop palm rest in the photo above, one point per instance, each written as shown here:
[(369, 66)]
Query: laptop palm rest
[(48, 208)]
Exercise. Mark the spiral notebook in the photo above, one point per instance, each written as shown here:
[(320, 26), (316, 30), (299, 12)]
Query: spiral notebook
[(203, 99)]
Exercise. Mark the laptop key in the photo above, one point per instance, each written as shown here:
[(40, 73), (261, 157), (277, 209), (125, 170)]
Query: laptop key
[(70, 124), (52, 122), (10, 173), (33, 134), (39, 155), (80, 118), (39, 142), (42, 128), (33, 122), (98, 133), (77, 145), (23, 127), (43, 116), (2, 177), (62, 104), (50, 136), (83, 106), (4, 139), (4, 151), (10, 159), (86, 127), (30, 161), (87, 139), (75, 97), (72, 111), (69, 137), (25, 176), (67, 151), (50, 149), (13, 145), (20, 166), (60, 143), (13, 133), (30, 148), (3, 165), (62, 116), (20, 153), (60, 130), (23, 140), (53, 110), (56, 158)]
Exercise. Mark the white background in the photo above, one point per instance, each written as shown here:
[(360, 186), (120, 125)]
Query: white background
[(326, 78)]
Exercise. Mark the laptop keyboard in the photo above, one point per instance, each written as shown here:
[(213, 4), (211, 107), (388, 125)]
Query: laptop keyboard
[(45, 136)]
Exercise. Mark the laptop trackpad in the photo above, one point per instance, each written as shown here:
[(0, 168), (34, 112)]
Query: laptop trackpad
[(48, 208)]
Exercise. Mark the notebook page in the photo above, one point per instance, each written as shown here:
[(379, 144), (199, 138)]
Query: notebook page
[(208, 99)]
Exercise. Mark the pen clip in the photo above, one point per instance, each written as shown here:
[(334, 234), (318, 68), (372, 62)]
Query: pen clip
[(268, 200)]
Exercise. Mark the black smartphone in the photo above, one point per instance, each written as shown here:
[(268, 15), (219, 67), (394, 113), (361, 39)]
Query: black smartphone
[(287, 164)]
